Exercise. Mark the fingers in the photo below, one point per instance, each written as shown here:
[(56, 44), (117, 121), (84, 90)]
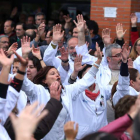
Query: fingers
[(75, 22), (77, 127), (42, 115)]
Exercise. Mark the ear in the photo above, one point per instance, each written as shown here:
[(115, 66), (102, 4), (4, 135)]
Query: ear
[(132, 83), (108, 59)]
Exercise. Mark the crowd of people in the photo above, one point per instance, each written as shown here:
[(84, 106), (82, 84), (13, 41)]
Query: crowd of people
[(62, 80)]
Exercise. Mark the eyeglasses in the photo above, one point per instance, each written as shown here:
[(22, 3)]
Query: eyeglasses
[(75, 32), (117, 55), (4, 42), (138, 45)]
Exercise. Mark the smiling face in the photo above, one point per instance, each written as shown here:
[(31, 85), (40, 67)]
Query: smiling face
[(52, 76), (114, 61)]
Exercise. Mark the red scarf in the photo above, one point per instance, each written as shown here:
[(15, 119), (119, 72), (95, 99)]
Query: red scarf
[(92, 95)]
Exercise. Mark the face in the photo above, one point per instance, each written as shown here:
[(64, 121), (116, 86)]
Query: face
[(4, 43), (75, 32), (71, 47), (20, 31), (7, 27), (31, 70), (138, 47), (30, 20), (16, 66), (40, 19), (136, 84), (52, 76), (50, 23), (114, 61)]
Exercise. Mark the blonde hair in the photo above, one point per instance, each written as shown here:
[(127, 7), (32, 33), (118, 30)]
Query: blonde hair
[(133, 55)]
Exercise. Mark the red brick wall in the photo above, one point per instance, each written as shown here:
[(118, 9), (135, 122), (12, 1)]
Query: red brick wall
[(124, 9)]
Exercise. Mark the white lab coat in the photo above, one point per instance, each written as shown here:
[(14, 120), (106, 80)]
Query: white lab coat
[(3, 134), (70, 92), (7, 105), (123, 89), (50, 60)]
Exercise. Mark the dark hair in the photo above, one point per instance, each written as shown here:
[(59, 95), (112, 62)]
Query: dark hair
[(40, 14), (32, 35), (136, 127), (30, 26), (23, 25), (36, 61), (100, 136), (93, 25), (65, 12), (83, 70), (133, 73), (12, 23), (124, 105), (41, 75), (16, 60)]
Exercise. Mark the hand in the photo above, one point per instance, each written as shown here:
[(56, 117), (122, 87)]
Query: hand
[(4, 60), (14, 12), (125, 52), (41, 29), (55, 90), (130, 63), (77, 63), (25, 46), (69, 130), (36, 52), (12, 47), (67, 18), (99, 53), (27, 120), (80, 23), (23, 61), (64, 54), (57, 34), (134, 20), (106, 36), (119, 31)]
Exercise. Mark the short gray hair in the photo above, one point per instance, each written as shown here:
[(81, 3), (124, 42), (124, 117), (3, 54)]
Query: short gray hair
[(1, 36), (108, 51)]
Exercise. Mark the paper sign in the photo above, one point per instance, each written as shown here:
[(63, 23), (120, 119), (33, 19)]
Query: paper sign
[(138, 16), (110, 12)]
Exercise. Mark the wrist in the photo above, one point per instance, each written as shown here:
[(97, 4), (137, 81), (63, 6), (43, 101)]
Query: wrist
[(55, 42), (124, 60)]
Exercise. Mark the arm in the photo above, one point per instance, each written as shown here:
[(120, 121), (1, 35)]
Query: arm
[(134, 31), (123, 82), (49, 55)]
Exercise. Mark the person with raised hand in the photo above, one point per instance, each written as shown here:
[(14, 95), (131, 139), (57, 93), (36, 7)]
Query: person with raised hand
[(70, 131), (134, 30), (26, 123), (128, 83)]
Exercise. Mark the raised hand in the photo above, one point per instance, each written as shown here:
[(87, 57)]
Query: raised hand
[(119, 31), (28, 120), (130, 63), (134, 19), (106, 36), (78, 63), (81, 23), (64, 54), (69, 130), (55, 90), (41, 29), (36, 52), (25, 46), (125, 52), (4, 60), (23, 61), (99, 53), (57, 34), (14, 47), (14, 12), (67, 18)]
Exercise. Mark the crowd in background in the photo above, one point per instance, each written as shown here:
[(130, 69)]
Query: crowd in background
[(62, 80)]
